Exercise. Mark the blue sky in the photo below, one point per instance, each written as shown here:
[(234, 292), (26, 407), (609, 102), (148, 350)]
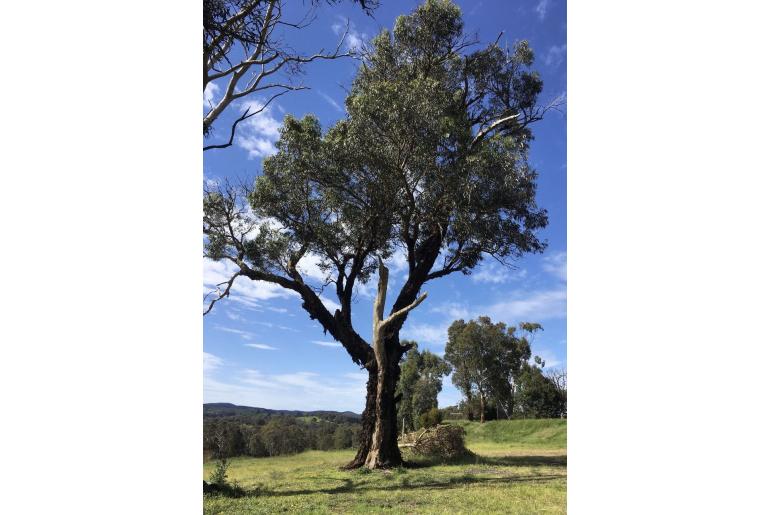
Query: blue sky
[(260, 347)]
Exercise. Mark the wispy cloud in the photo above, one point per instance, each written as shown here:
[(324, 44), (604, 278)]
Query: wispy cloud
[(258, 134), (331, 101), (542, 9), (243, 334), (556, 264), (211, 362), (426, 334), (259, 346), (354, 40), (325, 343), (523, 307), (555, 55), (537, 306), (494, 273), (244, 290)]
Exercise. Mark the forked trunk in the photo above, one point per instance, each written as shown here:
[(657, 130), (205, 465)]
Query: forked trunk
[(378, 445)]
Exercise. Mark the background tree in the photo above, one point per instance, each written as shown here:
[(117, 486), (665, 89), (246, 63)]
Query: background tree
[(431, 159), (538, 396), (244, 46), (419, 385), (484, 357), (343, 437)]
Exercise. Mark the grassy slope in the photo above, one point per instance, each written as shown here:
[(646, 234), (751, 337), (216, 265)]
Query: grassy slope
[(520, 467)]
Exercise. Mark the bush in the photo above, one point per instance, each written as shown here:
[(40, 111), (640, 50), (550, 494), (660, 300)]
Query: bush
[(219, 474), (430, 418)]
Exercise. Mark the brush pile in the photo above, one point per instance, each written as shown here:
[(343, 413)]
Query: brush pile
[(442, 441)]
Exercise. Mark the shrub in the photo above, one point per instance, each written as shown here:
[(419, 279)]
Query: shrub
[(219, 474), (430, 418)]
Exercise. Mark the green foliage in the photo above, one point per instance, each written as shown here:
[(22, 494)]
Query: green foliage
[(537, 396), (430, 418), (419, 385), (431, 158), (219, 474), (343, 438), (235, 431), (485, 357)]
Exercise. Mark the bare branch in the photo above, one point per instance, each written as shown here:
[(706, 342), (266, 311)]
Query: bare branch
[(221, 295)]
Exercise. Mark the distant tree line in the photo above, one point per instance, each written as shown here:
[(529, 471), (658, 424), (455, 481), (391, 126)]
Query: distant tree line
[(259, 436)]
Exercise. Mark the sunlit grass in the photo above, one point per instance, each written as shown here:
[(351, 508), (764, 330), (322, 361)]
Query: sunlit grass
[(500, 478)]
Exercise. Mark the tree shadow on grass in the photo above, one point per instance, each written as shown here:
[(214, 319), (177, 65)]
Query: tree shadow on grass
[(453, 482), (404, 482), (505, 461)]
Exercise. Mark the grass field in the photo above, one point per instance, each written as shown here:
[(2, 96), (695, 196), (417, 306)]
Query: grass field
[(520, 466)]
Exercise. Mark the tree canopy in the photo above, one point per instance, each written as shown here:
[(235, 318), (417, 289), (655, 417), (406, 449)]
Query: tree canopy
[(485, 358)]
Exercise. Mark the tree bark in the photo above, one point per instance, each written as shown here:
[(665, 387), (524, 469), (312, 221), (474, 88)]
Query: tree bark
[(368, 418), (483, 406), (378, 446), (384, 451)]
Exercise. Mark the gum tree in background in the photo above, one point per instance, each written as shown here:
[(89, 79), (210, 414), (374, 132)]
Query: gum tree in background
[(420, 383), (486, 358), (431, 161), (244, 47)]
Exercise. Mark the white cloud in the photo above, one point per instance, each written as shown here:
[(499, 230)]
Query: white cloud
[(555, 55), (259, 346), (208, 95), (542, 9), (494, 273), (354, 39), (258, 134), (243, 334), (310, 266), (426, 334), (534, 307), (453, 310), (529, 307), (556, 264), (331, 101), (329, 303), (325, 343), (211, 362), (244, 291)]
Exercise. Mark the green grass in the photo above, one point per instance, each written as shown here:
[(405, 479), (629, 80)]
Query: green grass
[(520, 467)]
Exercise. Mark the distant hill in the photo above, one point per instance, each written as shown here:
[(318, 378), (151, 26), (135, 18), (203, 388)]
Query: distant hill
[(225, 409)]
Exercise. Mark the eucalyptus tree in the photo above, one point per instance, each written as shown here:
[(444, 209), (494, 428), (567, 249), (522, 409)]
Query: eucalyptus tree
[(485, 358), (245, 46), (419, 384), (429, 166)]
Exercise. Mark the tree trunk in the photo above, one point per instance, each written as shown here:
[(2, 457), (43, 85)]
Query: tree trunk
[(483, 406), (384, 451), (379, 430), (368, 418)]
